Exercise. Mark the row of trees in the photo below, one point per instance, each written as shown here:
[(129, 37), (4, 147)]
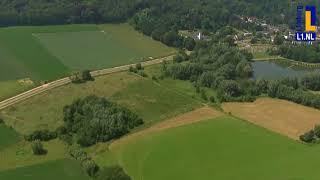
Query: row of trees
[(304, 53), (93, 119), (93, 170), (311, 81), (35, 12)]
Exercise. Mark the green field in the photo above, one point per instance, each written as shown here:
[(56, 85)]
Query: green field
[(225, 148), (12, 88), (60, 169), (8, 136), (186, 88), (50, 52), (154, 102), (109, 46), (150, 100)]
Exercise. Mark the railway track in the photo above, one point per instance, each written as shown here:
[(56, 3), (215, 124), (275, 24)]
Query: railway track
[(64, 81)]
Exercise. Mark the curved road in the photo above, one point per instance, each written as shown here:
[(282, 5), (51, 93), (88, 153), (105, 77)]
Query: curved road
[(23, 96)]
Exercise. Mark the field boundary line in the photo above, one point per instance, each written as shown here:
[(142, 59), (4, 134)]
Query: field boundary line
[(197, 115), (64, 81)]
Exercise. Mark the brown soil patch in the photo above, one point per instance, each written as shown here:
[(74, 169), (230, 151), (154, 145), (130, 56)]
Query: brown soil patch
[(197, 115), (281, 116)]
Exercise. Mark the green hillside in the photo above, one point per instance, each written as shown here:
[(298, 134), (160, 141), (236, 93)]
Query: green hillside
[(224, 148)]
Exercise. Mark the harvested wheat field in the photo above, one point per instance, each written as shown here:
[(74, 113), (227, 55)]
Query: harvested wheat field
[(197, 115), (281, 116)]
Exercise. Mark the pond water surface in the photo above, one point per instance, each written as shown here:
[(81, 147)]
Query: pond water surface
[(273, 70)]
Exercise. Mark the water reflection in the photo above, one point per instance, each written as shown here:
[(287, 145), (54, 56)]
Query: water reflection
[(278, 70)]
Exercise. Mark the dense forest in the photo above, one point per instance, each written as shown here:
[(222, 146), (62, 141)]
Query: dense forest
[(304, 52), (161, 19), (183, 14), (227, 70)]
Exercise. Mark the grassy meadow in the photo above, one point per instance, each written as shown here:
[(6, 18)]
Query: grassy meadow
[(44, 53), (13, 87), (108, 46), (224, 148), (151, 101), (8, 136), (60, 169), (49, 52)]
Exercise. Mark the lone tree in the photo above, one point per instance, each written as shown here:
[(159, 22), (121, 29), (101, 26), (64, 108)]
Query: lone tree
[(38, 148)]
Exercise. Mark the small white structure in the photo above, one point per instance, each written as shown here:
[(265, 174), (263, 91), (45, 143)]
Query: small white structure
[(199, 36)]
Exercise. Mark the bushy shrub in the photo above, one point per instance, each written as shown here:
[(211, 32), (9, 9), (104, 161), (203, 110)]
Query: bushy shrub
[(90, 167), (1, 121), (180, 57), (212, 99), (154, 78), (113, 173), (317, 131), (42, 135), (132, 69), (142, 73), (308, 137), (81, 77), (203, 95), (76, 152), (139, 66), (37, 148)]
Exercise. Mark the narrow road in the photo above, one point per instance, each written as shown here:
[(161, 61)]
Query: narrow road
[(23, 96)]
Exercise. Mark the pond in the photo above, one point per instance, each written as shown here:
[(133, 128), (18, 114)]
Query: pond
[(275, 70)]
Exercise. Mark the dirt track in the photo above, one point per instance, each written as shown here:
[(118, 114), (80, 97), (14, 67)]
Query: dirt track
[(197, 115), (281, 116), (23, 96)]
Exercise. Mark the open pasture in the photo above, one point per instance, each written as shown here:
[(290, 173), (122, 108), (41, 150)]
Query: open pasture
[(191, 117), (50, 52), (60, 169), (149, 100), (19, 154), (224, 148), (281, 116), (109, 46), (8, 136), (11, 88)]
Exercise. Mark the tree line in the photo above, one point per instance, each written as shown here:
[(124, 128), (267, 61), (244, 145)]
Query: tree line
[(187, 14), (303, 52), (227, 69)]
